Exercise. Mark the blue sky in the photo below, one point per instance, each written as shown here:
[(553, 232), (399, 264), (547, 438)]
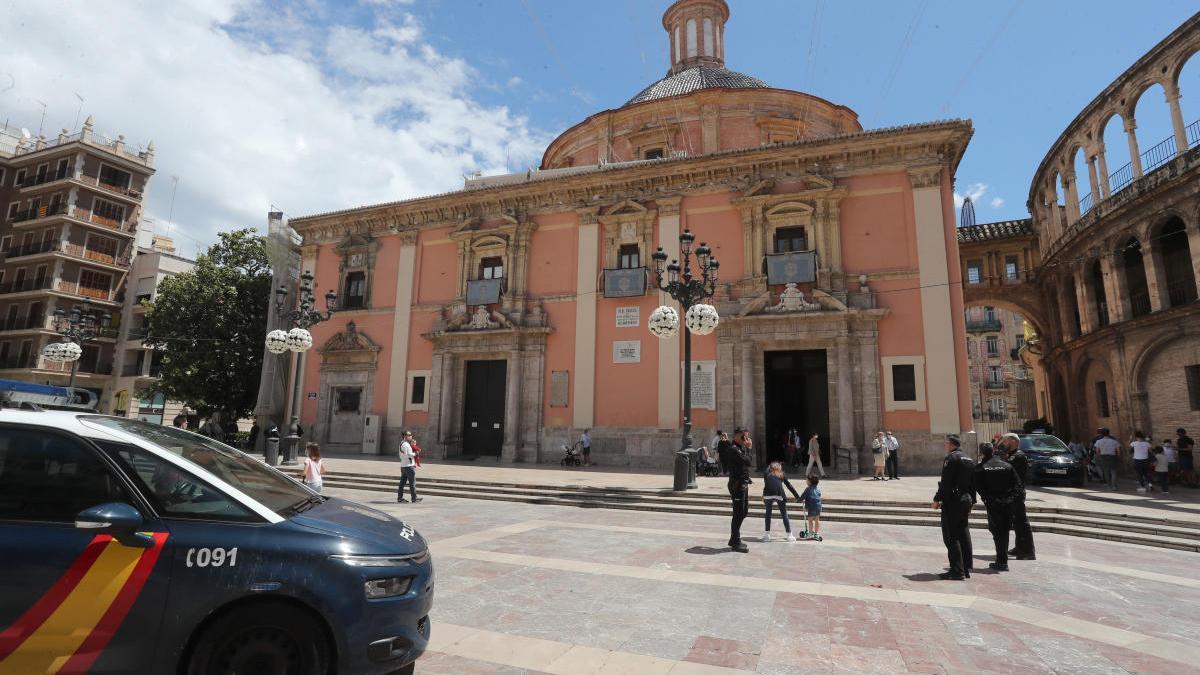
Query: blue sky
[(313, 106)]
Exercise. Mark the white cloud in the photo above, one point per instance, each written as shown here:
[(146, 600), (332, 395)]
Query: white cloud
[(975, 191), (996, 202), (250, 108), (515, 81)]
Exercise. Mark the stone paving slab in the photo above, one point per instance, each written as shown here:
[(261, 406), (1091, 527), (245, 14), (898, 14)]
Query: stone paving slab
[(547, 589), (1182, 504)]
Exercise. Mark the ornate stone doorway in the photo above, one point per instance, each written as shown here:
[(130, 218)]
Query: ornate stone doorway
[(483, 408), (796, 396)]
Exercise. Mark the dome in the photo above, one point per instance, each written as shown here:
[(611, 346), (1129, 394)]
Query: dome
[(694, 79)]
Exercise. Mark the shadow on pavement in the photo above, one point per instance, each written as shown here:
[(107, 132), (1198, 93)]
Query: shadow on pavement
[(922, 576), (708, 550)]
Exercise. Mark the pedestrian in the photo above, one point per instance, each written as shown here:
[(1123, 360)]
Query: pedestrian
[(790, 447), (1162, 470), (720, 438), (585, 439), (814, 455), (212, 428), (1142, 464), (738, 456), (954, 497), (879, 454), (1172, 454), (774, 483), (408, 470), (1023, 548), (893, 457), (1187, 467), (812, 508), (999, 486), (313, 471), (252, 439), (1109, 454), (180, 421)]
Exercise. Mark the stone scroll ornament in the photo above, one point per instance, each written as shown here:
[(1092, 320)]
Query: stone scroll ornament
[(663, 322), (702, 319), (299, 340), (277, 341)]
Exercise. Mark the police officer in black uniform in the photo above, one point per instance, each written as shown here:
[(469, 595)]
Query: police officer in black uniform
[(998, 486), (1023, 533), (737, 457), (955, 495)]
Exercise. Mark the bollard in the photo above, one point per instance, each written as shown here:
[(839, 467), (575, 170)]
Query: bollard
[(692, 454), (682, 459), (272, 451)]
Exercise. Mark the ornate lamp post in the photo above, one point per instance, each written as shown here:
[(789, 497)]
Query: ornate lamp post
[(301, 317), (692, 293), (76, 327)]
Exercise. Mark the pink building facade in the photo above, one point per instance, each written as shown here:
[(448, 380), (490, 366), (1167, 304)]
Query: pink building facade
[(505, 318)]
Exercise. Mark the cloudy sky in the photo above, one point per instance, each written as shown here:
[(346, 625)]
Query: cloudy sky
[(312, 106)]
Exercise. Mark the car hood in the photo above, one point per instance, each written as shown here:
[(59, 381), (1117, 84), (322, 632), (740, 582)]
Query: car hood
[(365, 530), (1035, 456)]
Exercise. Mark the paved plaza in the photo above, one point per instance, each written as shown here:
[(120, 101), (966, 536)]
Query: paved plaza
[(548, 589)]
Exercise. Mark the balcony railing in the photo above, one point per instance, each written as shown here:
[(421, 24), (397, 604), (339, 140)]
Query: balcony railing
[(48, 177), (1139, 305), (30, 249), (86, 291), (986, 325), (1154, 157), (24, 323), (993, 384), (25, 285), (1181, 292), (91, 367), (77, 251), (39, 212), (18, 362), (109, 187)]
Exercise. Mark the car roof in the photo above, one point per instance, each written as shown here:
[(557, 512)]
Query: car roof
[(67, 420)]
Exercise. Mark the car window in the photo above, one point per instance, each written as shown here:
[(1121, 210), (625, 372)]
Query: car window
[(266, 486), (1043, 444), (174, 492), (49, 476)]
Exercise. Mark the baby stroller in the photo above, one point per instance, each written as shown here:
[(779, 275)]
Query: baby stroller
[(1094, 472), (572, 454), (706, 462)]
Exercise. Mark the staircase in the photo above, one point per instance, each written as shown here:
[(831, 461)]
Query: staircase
[(1142, 530)]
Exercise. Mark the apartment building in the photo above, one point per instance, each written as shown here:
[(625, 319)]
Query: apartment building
[(69, 212)]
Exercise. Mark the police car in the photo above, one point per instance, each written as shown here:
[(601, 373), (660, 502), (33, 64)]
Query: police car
[(129, 547)]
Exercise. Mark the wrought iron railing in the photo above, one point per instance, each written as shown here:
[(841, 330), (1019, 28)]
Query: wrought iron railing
[(31, 249), (25, 285), (984, 326), (12, 362), (47, 177), (1181, 292), (23, 322), (39, 212)]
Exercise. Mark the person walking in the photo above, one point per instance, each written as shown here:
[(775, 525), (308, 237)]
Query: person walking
[(1185, 446), (738, 456), (1023, 548), (180, 421), (1162, 470), (954, 497), (790, 448), (252, 438), (1172, 454), (814, 455), (1141, 461), (585, 440), (1108, 451), (892, 463), (774, 483), (999, 486), (313, 471), (879, 454), (408, 470), (812, 508)]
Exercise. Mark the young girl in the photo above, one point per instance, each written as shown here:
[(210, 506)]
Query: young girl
[(773, 484), (1162, 468), (812, 504), (314, 468)]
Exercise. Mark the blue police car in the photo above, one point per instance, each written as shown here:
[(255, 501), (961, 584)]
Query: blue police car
[(129, 547)]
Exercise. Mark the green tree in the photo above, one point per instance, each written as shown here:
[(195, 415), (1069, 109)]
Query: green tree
[(210, 324)]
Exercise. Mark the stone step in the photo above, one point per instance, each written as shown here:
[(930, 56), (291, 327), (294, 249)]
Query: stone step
[(1078, 526)]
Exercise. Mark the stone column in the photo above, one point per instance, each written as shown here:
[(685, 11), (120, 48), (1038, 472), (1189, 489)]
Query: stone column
[(1071, 194), (1135, 155), (1055, 228), (1087, 305), (1193, 235), (1064, 311), (443, 365), (1156, 277), (845, 398), (747, 380), (1093, 179), (1105, 186), (1115, 289), (587, 268), (512, 407), (1181, 143), (406, 273)]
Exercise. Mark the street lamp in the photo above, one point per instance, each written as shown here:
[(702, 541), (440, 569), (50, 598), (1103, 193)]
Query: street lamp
[(692, 293), (301, 317), (76, 327)]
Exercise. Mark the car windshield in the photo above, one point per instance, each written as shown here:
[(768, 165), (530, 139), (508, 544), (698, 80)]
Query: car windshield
[(270, 488), (1043, 443)]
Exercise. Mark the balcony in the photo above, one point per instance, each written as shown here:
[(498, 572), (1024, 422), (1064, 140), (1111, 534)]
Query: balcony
[(127, 226), (128, 193), (26, 285), (86, 291), (93, 367), (22, 362), (132, 370), (984, 326), (39, 213), (625, 283), (993, 384), (48, 177), (90, 255), (36, 322), (30, 249)]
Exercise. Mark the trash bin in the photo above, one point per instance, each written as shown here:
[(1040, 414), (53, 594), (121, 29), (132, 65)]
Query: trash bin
[(272, 452), (683, 459), (693, 454)]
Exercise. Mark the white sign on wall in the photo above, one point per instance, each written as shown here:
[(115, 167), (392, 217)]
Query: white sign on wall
[(629, 317), (704, 384), (627, 351)]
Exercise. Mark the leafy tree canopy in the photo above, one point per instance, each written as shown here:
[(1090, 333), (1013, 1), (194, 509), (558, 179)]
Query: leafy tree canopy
[(210, 324)]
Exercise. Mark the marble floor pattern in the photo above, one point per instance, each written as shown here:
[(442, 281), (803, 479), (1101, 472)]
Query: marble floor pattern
[(547, 589)]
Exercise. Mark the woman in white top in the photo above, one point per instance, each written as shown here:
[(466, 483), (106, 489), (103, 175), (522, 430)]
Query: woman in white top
[(814, 456), (1141, 461), (314, 469)]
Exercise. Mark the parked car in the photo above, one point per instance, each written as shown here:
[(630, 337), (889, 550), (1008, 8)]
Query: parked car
[(1051, 461)]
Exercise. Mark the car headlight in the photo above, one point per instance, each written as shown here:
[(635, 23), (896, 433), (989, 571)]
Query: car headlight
[(1063, 459), (383, 560), (386, 588)]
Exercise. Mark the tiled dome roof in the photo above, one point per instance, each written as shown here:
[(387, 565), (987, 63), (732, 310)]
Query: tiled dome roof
[(694, 79)]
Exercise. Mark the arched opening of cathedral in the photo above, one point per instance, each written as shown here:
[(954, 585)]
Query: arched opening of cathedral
[(1082, 184), (1072, 303), (1095, 281), (1155, 135), (1135, 277), (1172, 243), (1187, 80), (1116, 153)]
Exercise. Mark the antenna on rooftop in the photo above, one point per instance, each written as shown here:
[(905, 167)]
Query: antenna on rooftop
[(77, 112), (43, 122)]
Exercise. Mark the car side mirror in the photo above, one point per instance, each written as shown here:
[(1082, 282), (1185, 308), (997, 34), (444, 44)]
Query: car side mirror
[(120, 520)]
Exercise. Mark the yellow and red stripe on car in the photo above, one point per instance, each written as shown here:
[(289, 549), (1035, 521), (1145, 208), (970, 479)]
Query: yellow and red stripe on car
[(70, 625)]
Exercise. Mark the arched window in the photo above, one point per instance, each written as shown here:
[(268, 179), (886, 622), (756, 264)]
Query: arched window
[(708, 37), (1172, 245), (691, 37), (1135, 277)]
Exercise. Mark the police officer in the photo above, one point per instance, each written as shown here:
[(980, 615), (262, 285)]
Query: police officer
[(1023, 546), (998, 486), (955, 495), (737, 457)]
